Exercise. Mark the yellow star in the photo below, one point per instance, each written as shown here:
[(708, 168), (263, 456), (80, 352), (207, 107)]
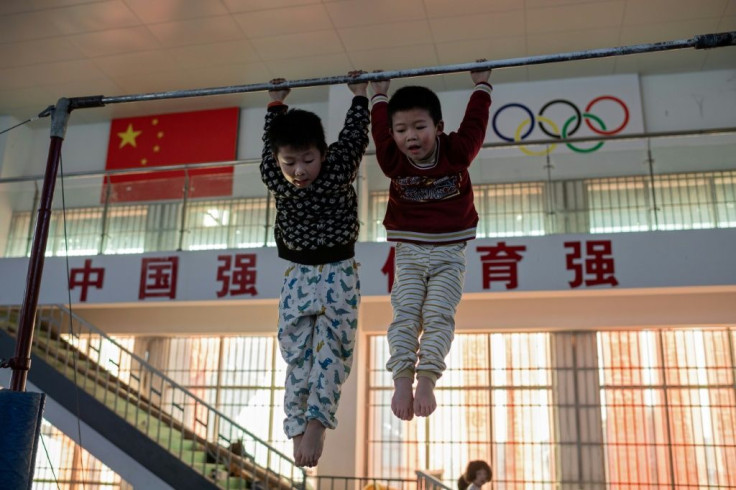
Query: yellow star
[(128, 137)]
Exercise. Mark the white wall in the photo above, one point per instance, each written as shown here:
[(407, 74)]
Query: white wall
[(15, 148), (681, 101)]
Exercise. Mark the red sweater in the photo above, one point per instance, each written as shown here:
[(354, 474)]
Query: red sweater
[(432, 205)]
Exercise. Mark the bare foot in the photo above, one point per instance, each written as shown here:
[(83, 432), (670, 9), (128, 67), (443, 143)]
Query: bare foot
[(310, 447), (403, 399), (297, 440), (424, 401)]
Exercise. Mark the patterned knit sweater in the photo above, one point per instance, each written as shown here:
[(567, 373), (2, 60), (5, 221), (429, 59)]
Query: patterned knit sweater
[(319, 224)]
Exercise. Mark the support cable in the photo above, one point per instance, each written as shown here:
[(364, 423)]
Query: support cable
[(44, 113), (75, 351)]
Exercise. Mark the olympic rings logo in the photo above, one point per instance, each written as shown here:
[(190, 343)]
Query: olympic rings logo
[(569, 126)]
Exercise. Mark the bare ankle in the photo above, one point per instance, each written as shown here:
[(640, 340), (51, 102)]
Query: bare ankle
[(311, 444), (402, 402), (297, 440), (424, 399)]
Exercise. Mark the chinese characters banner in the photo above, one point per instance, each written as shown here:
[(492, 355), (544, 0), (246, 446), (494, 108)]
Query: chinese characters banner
[(551, 263)]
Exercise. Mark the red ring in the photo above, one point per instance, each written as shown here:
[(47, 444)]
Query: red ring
[(615, 99)]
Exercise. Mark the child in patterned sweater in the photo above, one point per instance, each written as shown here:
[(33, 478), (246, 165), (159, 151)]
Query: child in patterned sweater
[(315, 230)]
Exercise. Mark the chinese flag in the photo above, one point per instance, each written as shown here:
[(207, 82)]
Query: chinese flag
[(172, 139)]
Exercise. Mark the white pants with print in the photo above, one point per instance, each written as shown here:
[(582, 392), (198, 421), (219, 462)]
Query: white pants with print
[(318, 319), (427, 288)]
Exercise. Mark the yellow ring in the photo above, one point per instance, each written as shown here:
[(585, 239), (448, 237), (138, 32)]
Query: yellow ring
[(517, 137)]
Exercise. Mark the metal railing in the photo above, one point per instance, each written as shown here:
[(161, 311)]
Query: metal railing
[(682, 183), (603, 205), (425, 481), (183, 424)]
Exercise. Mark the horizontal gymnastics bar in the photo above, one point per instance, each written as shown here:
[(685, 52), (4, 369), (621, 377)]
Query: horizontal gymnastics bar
[(701, 41)]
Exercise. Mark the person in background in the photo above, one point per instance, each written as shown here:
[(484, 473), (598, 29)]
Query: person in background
[(477, 474)]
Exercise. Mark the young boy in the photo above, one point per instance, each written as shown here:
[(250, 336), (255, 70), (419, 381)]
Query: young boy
[(316, 229), (431, 215)]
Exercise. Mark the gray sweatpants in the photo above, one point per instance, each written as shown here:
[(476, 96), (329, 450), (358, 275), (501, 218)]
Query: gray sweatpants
[(427, 289)]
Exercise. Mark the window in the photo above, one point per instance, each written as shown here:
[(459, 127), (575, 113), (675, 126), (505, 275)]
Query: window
[(494, 403), (683, 202), (607, 409), (242, 377), (669, 408), (618, 205), (663, 202), (378, 203), (62, 464), (510, 209), (725, 199), (125, 230)]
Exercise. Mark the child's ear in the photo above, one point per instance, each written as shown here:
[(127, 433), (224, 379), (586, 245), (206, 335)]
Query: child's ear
[(440, 126)]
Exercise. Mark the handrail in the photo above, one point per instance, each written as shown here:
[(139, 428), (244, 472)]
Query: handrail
[(329, 482), (195, 420), (486, 146), (160, 374), (425, 481)]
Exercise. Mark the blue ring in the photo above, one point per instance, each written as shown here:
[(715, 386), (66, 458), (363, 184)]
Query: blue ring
[(520, 106)]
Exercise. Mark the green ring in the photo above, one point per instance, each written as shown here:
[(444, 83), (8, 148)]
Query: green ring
[(582, 150)]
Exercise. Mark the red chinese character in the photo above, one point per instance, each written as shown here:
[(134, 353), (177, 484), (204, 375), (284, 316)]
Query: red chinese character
[(243, 277), (86, 281), (388, 268), (500, 264), (599, 265), (158, 277)]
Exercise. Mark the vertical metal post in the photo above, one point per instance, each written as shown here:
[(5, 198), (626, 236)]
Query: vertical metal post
[(650, 163), (714, 199), (182, 227), (34, 210), (552, 200), (105, 210), (21, 363), (578, 425), (665, 394)]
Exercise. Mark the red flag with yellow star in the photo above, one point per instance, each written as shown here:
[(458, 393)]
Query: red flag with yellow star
[(172, 139)]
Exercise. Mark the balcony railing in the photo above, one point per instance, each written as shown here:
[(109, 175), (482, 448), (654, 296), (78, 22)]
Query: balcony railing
[(660, 184)]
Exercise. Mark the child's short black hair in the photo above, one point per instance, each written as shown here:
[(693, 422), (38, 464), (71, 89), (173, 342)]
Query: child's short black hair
[(415, 97), (299, 129)]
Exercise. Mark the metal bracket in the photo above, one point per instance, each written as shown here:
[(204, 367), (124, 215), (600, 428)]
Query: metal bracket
[(16, 364)]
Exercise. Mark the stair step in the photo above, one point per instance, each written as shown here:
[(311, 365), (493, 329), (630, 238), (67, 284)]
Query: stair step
[(223, 479)]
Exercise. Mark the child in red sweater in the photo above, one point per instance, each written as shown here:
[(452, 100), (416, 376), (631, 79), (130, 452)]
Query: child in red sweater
[(430, 215)]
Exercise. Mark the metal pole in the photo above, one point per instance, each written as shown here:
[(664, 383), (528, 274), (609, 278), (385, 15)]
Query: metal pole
[(702, 41), (183, 223), (107, 182), (21, 363), (652, 185)]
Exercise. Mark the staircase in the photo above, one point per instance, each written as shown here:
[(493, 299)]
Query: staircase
[(170, 431)]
